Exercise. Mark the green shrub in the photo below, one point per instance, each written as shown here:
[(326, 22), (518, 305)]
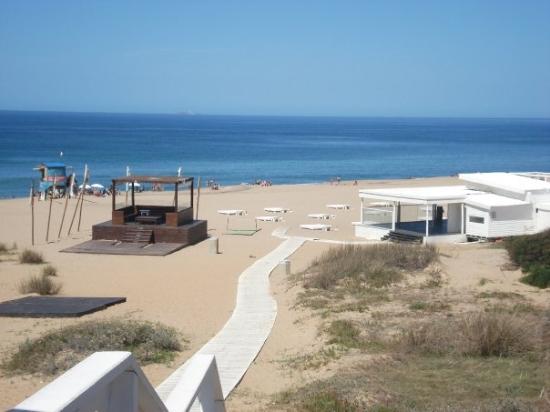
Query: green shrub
[(532, 253), (42, 285), (61, 349), (3, 247), (30, 256), (530, 249), (539, 276)]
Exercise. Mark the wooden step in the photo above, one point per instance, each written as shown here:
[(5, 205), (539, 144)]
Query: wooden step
[(401, 237), (137, 235)]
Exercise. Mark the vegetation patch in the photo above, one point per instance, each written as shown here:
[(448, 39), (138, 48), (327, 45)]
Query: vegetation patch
[(61, 349), (49, 270), (4, 248), (500, 295), (31, 257), (532, 254), (352, 277), (313, 360), (425, 383), (539, 276), (344, 333), (43, 285), (435, 306), (476, 334), (373, 265)]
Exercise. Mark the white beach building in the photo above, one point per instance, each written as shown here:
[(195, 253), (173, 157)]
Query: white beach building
[(485, 206)]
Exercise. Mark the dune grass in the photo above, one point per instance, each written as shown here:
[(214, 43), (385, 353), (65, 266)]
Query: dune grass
[(49, 270), (61, 349), (4, 248), (424, 383), (475, 334), (41, 284), (32, 257), (373, 265), (478, 362), (353, 277)]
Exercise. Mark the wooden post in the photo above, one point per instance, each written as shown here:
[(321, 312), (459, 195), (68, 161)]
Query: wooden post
[(67, 194), (114, 194), (176, 197), (86, 173), (427, 221), (50, 211), (192, 190), (133, 197), (127, 174), (393, 217), (79, 199), (198, 198), (32, 213)]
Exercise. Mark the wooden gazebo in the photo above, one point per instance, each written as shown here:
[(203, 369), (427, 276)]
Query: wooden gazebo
[(148, 214), (148, 223)]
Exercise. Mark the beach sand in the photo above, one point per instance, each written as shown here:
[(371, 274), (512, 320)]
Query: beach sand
[(191, 290)]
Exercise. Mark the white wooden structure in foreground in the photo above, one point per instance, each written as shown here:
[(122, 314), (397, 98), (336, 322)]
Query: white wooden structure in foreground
[(114, 382)]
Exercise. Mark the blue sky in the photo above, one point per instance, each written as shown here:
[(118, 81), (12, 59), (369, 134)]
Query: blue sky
[(340, 58)]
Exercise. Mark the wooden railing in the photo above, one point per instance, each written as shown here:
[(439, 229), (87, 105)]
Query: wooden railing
[(113, 381)]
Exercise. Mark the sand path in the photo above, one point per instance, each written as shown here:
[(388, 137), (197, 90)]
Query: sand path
[(238, 343)]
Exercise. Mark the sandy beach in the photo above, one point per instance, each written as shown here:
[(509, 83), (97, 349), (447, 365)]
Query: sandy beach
[(194, 291)]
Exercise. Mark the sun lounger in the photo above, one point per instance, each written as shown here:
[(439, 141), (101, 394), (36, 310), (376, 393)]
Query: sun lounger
[(232, 212), (317, 226), (322, 216), (269, 218), (277, 210), (339, 206)]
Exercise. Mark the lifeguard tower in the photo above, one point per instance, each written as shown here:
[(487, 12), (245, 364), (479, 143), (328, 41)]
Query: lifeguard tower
[(53, 178)]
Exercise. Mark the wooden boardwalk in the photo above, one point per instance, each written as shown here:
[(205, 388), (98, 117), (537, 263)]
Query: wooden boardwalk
[(238, 343)]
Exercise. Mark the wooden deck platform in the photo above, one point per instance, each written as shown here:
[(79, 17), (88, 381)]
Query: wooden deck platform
[(113, 247), (186, 234), (56, 306)]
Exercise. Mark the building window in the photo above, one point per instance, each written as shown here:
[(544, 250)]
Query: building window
[(477, 219), (493, 215)]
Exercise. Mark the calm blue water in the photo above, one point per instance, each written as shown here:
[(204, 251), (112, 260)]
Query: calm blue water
[(234, 149)]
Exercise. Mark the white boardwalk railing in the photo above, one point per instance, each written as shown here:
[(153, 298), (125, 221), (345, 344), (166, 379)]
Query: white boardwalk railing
[(104, 381), (114, 382)]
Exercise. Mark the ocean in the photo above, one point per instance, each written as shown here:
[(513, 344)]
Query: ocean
[(237, 149)]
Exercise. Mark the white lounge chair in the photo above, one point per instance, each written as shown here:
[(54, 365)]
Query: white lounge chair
[(321, 216), (317, 226), (269, 218), (232, 212), (339, 206), (277, 210)]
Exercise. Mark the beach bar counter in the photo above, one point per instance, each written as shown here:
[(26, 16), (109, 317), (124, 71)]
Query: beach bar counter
[(153, 216)]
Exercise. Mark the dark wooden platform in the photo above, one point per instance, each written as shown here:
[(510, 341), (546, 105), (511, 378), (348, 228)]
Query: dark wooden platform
[(187, 234), (113, 247), (55, 306)]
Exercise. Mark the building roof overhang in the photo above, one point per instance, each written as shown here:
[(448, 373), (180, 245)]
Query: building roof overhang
[(420, 195)]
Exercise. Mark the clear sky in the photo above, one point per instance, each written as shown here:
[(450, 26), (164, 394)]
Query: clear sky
[(341, 58)]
